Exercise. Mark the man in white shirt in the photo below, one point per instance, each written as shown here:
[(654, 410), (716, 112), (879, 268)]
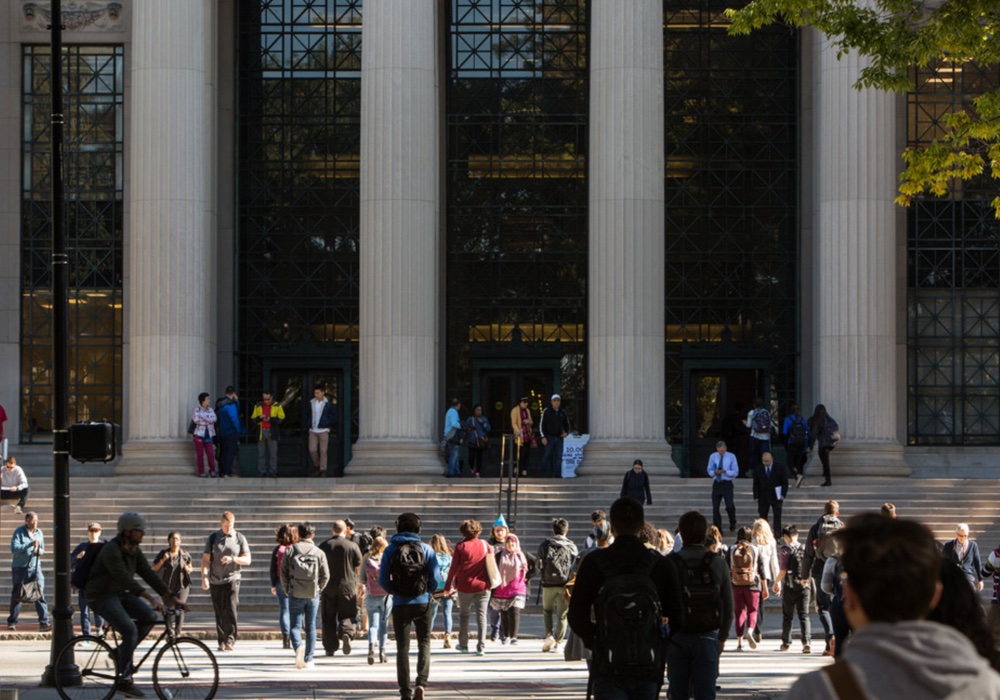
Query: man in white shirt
[(322, 416), (14, 484)]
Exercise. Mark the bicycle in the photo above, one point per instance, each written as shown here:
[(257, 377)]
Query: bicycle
[(184, 668)]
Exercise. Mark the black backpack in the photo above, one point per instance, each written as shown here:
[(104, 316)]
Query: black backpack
[(82, 566), (797, 433), (760, 421), (408, 570), (629, 640), (557, 567), (796, 552), (701, 594)]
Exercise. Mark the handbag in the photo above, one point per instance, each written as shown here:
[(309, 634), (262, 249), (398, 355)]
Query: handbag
[(29, 591), (492, 572), (191, 427)]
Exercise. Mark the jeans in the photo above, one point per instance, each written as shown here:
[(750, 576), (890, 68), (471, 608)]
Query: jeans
[(284, 611), (723, 490), (624, 688), (795, 601), (468, 603), (225, 601), (420, 617), (552, 457), (841, 627), (379, 608), (823, 605), (228, 445), (495, 623), (554, 602), (299, 608), (18, 574), (454, 468), (202, 451), (693, 665), (267, 454), (448, 604), (119, 611), (81, 602)]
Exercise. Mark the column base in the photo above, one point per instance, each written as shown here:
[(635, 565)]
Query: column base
[(174, 457), (613, 457), (395, 458), (863, 458)]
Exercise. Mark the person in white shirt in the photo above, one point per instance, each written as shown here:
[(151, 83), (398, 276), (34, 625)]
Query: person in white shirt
[(322, 416), (14, 484)]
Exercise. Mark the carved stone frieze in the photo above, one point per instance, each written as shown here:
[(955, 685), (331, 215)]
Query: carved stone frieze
[(77, 16)]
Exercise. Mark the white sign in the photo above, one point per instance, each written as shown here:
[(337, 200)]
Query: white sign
[(572, 454)]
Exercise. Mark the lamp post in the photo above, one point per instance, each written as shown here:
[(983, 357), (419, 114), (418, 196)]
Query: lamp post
[(62, 627)]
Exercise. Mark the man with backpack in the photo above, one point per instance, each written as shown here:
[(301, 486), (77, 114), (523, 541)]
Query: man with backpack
[(304, 574), (707, 595), (760, 424), (629, 590), (409, 573), (892, 583), (796, 432), (818, 547), (226, 552), (556, 560), (793, 586), (339, 607), (114, 594)]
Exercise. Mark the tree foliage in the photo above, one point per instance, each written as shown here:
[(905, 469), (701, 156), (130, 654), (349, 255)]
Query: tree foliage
[(896, 36)]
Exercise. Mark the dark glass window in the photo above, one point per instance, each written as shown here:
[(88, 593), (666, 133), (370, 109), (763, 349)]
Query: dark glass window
[(93, 97), (731, 194), (517, 188), (299, 198), (953, 281)]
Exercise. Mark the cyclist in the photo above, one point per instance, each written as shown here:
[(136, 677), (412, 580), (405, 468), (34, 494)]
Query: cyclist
[(115, 595)]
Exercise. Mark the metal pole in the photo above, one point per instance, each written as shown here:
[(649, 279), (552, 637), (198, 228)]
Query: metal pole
[(62, 627)]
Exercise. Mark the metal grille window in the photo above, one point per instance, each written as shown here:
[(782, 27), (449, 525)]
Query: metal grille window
[(299, 197), (94, 92), (731, 193), (953, 259), (517, 188)]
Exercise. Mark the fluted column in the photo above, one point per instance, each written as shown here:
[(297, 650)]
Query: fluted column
[(171, 266), (625, 326), (854, 280), (400, 421)]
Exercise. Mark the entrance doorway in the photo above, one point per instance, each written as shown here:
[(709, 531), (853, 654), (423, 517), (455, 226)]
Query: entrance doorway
[(718, 403), (293, 389), (499, 390)]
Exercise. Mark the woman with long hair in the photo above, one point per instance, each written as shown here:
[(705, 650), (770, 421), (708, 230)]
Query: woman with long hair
[(509, 597), (378, 602), (746, 587), (442, 598), (823, 430), (767, 553), (286, 536)]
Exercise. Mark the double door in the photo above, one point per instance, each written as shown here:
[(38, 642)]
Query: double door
[(293, 389), (500, 390), (718, 403)]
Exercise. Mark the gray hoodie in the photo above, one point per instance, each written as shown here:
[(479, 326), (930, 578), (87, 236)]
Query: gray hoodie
[(915, 660)]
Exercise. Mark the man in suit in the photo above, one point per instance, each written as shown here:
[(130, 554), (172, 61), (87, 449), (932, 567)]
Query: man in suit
[(965, 553), (767, 480)]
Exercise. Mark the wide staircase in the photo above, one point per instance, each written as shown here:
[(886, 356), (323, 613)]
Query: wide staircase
[(193, 507)]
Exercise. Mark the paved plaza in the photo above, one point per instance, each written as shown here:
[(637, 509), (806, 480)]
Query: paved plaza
[(261, 669)]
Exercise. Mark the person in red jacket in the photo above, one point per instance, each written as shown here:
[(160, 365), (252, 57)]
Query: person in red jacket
[(468, 576)]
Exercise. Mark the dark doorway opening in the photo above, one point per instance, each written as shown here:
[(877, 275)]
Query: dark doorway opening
[(718, 402), (499, 390), (293, 388)]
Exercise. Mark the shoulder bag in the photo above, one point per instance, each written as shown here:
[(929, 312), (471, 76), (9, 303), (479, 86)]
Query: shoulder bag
[(29, 591), (492, 572)]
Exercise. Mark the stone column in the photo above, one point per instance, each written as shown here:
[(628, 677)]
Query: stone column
[(169, 289), (626, 316), (855, 276), (401, 420)]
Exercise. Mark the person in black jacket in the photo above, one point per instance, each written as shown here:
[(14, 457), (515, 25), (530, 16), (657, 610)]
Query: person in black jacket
[(626, 554), (554, 426), (636, 484), (767, 480)]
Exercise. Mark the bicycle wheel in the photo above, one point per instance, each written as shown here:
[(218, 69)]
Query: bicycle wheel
[(86, 669), (185, 669)]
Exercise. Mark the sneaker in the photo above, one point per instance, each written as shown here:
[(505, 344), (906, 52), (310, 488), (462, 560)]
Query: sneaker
[(462, 650), (756, 635), (751, 642), (806, 649), (549, 643), (17, 509), (505, 641), (418, 693), (739, 647), (784, 647), (11, 627), (494, 635), (308, 665), (300, 656), (798, 480), (513, 641), (227, 647), (128, 689), (345, 642), (45, 627), (480, 652)]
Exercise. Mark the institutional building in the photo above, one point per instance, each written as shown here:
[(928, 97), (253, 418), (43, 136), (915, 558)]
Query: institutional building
[(409, 200)]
